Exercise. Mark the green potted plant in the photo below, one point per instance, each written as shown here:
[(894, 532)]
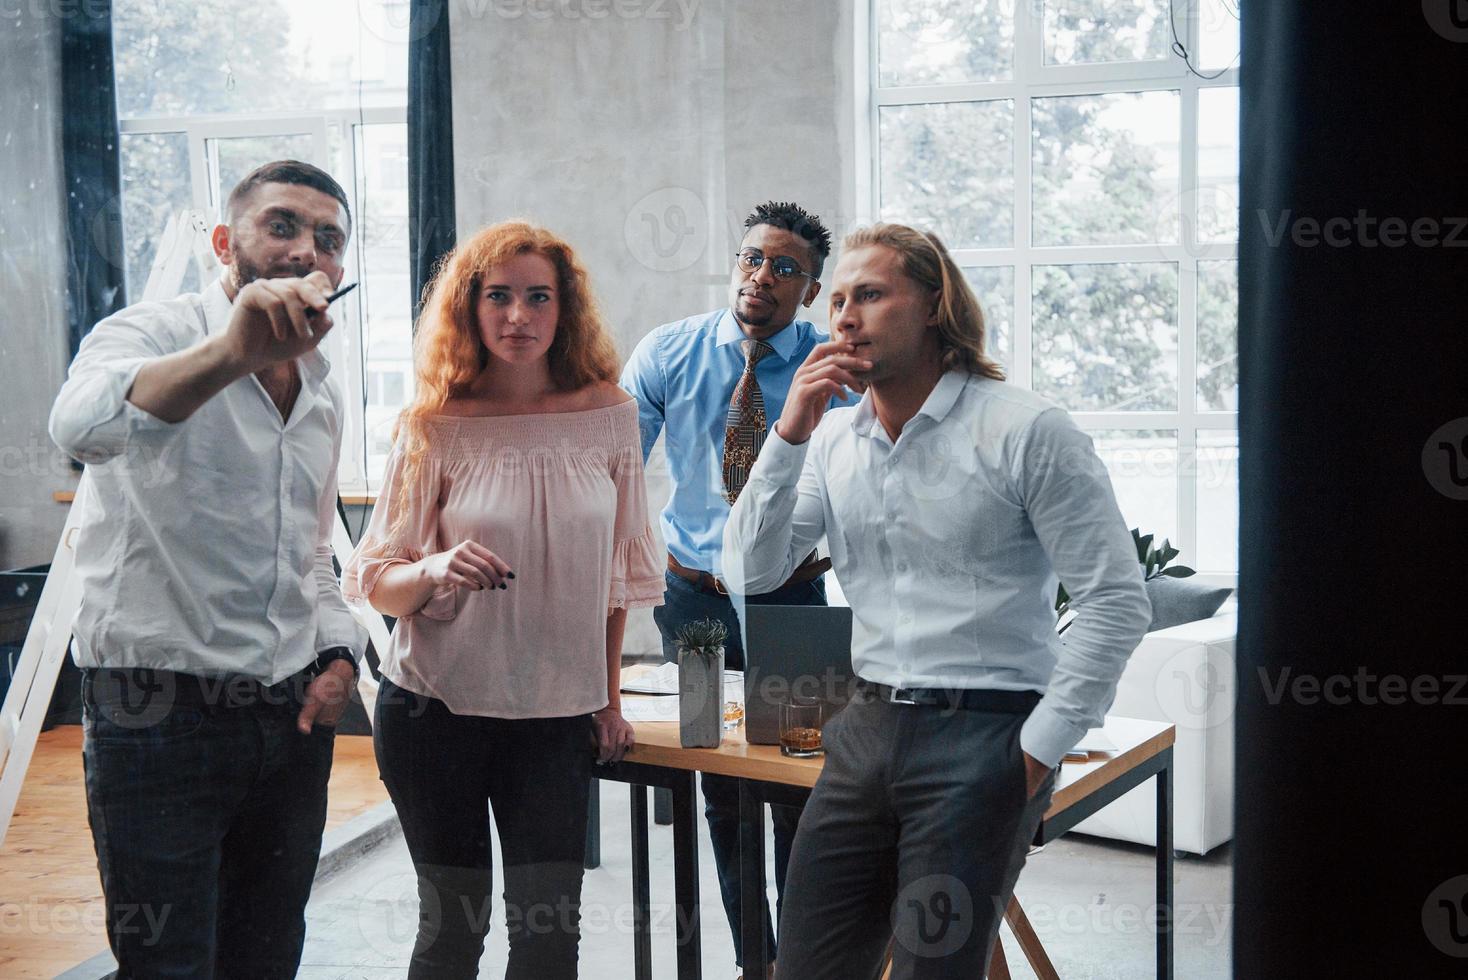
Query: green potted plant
[(1173, 602), (700, 683)]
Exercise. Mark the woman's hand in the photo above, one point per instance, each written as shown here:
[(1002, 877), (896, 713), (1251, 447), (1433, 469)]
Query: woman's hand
[(467, 565), (613, 735)]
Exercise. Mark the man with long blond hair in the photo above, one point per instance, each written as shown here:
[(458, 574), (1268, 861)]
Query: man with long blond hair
[(952, 501)]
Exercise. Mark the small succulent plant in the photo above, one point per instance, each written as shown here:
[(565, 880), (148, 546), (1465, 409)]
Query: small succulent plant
[(702, 635)]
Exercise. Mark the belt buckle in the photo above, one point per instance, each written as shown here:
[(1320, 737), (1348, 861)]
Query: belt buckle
[(896, 696)]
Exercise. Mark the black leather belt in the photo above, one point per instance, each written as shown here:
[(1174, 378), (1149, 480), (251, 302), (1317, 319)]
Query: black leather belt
[(809, 570), (968, 699)]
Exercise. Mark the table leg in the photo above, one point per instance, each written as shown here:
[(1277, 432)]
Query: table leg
[(752, 880), (593, 827), (641, 887), (684, 817), (1165, 934)]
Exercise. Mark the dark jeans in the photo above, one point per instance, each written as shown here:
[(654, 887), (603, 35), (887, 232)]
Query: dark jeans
[(682, 603), (206, 810), (444, 771), (916, 830)]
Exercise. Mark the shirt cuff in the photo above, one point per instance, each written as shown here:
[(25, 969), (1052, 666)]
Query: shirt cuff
[(339, 628), (1046, 736), (780, 462)]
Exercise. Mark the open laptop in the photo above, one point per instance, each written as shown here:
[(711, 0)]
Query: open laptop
[(793, 650)]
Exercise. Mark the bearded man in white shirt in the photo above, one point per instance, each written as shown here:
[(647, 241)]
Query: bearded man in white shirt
[(953, 502), (217, 651)]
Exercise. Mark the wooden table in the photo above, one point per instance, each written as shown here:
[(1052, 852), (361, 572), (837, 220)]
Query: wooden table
[(1143, 750)]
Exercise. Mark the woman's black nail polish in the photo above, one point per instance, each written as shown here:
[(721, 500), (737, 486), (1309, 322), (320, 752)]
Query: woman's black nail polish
[(503, 586), (509, 575)]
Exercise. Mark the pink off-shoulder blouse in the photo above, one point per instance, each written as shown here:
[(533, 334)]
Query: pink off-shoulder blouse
[(560, 497)]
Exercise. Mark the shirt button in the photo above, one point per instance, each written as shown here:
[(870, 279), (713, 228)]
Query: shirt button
[(902, 566)]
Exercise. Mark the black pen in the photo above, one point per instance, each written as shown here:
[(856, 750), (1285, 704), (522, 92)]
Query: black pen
[(334, 297)]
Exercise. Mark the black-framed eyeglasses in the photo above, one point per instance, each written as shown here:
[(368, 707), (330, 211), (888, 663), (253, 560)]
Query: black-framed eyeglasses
[(784, 267)]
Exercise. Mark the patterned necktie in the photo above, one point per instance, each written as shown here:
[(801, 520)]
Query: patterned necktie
[(744, 431)]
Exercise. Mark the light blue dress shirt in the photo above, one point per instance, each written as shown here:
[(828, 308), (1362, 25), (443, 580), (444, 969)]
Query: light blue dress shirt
[(683, 375), (948, 544)]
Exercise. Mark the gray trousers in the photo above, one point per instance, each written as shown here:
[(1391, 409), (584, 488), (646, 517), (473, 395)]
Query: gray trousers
[(915, 832)]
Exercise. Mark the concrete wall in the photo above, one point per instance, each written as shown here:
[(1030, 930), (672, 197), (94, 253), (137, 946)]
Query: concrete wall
[(33, 353), (643, 131)]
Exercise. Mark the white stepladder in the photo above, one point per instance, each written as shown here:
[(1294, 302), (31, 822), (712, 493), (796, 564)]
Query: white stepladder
[(49, 636)]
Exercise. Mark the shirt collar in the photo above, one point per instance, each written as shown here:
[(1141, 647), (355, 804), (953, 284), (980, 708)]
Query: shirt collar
[(936, 406), (785, 342), (217, 309)]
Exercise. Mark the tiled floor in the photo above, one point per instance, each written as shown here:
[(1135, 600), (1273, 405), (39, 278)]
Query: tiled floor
[(1089, 901)]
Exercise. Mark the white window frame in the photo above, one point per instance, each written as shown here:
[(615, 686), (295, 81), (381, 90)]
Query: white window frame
[(199, 129), (1032, 80)]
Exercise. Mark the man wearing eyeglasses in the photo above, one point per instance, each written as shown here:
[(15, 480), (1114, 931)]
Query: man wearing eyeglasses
[(714, 383)]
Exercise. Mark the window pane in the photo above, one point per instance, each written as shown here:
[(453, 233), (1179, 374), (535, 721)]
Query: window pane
[(1106, 168), (1218, 502), (237, 156), (1143, 468), (214, 56), (926, 42), (1218, 336), (1082, 32), (382, 195), (949, 168), (994, 285), (1218, 38), (1105, 336), (1218, 164), (155, 186)]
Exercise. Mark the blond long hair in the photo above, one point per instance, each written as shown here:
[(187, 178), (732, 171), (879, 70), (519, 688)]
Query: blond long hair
[(448, 354), (961, 329)]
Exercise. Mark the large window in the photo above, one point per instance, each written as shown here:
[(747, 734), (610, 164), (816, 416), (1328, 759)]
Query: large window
[(209, 89), (1087, 181)]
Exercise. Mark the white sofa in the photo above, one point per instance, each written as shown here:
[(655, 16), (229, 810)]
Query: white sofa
[(1184, 675)]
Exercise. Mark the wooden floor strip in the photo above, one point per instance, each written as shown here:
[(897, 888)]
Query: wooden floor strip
[(50, 895)]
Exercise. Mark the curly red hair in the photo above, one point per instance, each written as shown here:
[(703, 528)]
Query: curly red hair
[(448, 354)]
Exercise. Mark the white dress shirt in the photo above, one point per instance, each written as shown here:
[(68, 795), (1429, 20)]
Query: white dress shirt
[(205, 545), (948, 545)]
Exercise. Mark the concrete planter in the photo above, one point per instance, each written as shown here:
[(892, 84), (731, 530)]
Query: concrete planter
[(700, 698)]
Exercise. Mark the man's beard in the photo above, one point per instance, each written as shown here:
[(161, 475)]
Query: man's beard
[(742, 314), (244, 271)]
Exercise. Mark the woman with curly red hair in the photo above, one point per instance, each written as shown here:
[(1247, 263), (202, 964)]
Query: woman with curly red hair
[(510, 538)]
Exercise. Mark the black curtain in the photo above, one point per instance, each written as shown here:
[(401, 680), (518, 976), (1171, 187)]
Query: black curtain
[(1353, 715), (93, 171), (430, 142)]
